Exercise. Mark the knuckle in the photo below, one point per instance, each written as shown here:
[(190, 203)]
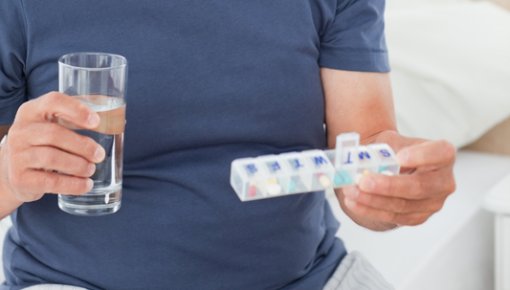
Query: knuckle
[(78, 108), (51, 98), (83, 110), (24, 109)]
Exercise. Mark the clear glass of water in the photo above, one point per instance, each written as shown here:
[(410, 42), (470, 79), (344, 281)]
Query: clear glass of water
[(99, 81)]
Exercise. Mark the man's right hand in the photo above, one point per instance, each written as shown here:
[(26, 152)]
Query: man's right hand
[(40, 156)]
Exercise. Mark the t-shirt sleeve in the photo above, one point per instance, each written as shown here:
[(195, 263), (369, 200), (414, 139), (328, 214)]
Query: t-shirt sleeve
[(12, 59), (354, 40)]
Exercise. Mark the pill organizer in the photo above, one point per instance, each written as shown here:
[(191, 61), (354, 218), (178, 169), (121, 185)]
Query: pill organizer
[(311, 170)]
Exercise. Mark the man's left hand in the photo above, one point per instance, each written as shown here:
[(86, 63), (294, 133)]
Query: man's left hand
[(382, 202)]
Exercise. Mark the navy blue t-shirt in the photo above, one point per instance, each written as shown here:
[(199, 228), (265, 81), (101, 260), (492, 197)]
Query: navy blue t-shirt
[(209, 82)]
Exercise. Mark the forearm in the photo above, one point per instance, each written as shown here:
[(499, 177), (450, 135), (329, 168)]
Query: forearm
[(359, 102), (8, 203)]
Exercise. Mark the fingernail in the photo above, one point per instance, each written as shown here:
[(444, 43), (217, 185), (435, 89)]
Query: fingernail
[(403, 156), (99, 154), (90, 184), (91, 169), (351, 191), (366, 184), (93, 119)]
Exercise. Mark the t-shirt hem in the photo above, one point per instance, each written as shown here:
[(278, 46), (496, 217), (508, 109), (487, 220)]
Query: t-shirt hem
[(364, 61)]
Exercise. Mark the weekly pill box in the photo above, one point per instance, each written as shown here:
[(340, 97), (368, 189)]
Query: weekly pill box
[(311, 170)]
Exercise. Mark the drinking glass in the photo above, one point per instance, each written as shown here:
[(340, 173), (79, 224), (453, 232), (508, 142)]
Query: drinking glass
[(99, 81)]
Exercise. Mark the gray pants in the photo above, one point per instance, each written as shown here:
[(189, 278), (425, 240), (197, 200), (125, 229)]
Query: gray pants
[(354, 273)]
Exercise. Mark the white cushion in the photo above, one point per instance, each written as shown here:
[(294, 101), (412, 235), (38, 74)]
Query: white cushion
[(451, 69)]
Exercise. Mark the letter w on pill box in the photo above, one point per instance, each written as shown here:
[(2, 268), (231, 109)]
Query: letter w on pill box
[(312, 170)]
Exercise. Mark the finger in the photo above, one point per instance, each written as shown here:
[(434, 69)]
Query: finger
[(37, 181), (52, 159), (50, 134), (415, 186), (54, 106), (395, 204), (411, 219), (431, 153)]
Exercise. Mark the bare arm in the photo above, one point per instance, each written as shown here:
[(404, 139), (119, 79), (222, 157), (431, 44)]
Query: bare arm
[(363, 102), (351, 97)]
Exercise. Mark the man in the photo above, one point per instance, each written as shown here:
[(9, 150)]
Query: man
[(210, 81)]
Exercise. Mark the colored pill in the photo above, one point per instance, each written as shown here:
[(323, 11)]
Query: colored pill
[(252, 191), (324, 180), (292, 186), (274, 189), (272, 186)]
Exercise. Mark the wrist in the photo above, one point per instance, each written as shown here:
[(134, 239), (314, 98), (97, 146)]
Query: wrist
[(8, 201)]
